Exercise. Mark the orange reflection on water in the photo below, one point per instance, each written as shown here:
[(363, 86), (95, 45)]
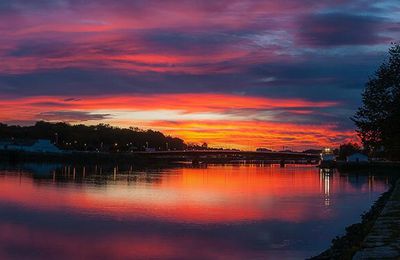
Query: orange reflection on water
[(210, 195), (70, 246)]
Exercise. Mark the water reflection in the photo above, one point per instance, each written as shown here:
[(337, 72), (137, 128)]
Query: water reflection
[(326, 175), (235, 211)]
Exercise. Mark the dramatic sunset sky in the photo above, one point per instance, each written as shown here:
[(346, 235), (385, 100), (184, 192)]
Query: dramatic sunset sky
[(236, 73)]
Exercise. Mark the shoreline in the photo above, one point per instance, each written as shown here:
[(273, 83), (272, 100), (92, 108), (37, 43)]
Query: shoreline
[(383, 241), (347, 245)]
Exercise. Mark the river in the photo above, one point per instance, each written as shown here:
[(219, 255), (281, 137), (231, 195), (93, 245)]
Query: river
[(208, 212)]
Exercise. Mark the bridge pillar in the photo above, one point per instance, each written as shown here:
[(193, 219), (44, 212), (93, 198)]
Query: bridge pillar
[(195, 161), (282, 163)]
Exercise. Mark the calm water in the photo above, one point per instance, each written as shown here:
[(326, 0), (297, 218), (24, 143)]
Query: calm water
[(214, 212)]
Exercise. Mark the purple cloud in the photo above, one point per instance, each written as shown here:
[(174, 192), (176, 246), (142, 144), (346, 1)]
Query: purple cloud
[(70, 116), (337, 29), (313, 50)]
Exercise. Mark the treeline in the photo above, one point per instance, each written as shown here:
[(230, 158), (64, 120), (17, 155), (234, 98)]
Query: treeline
[(378, 119), (102, 137)]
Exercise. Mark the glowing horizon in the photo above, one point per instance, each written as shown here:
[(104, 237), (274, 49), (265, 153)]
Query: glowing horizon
[(234, 74), (229, 121)]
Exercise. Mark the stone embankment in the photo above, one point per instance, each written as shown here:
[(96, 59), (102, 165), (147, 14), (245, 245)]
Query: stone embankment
[(383, 241)]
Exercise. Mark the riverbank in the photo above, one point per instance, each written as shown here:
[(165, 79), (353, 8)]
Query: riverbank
[(369, 238), (383, 241)]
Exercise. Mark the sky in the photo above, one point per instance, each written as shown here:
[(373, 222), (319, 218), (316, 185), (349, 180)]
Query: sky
[(241, 74)]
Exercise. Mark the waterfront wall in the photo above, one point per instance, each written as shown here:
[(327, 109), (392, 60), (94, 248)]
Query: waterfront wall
[(383, 241)]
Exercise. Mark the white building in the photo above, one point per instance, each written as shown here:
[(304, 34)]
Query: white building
[(327, 155), (357, 157), (39, 146)]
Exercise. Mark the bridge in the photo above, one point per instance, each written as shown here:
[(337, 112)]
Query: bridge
[(194, 156), (231, 155)]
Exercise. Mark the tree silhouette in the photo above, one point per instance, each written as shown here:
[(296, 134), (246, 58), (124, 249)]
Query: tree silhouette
[(348, 149), (101, 138), (378, 119)]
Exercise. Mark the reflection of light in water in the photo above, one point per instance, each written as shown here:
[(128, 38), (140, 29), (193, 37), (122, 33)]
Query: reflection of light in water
[(227, 212), (326, 191), (371, 183), (207, 194), (325, 176)]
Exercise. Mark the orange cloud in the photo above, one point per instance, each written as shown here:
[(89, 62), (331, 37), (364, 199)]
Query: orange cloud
[(184, 102), (253, 134), (218, 119)]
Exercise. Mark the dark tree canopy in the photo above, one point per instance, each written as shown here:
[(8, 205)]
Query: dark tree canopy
[(378, 119), (348, 149), (93, 138)]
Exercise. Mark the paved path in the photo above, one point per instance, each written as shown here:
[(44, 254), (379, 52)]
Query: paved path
[(383, 242)]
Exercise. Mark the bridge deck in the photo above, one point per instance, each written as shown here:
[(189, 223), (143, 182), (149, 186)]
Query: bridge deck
[(230, 153)]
